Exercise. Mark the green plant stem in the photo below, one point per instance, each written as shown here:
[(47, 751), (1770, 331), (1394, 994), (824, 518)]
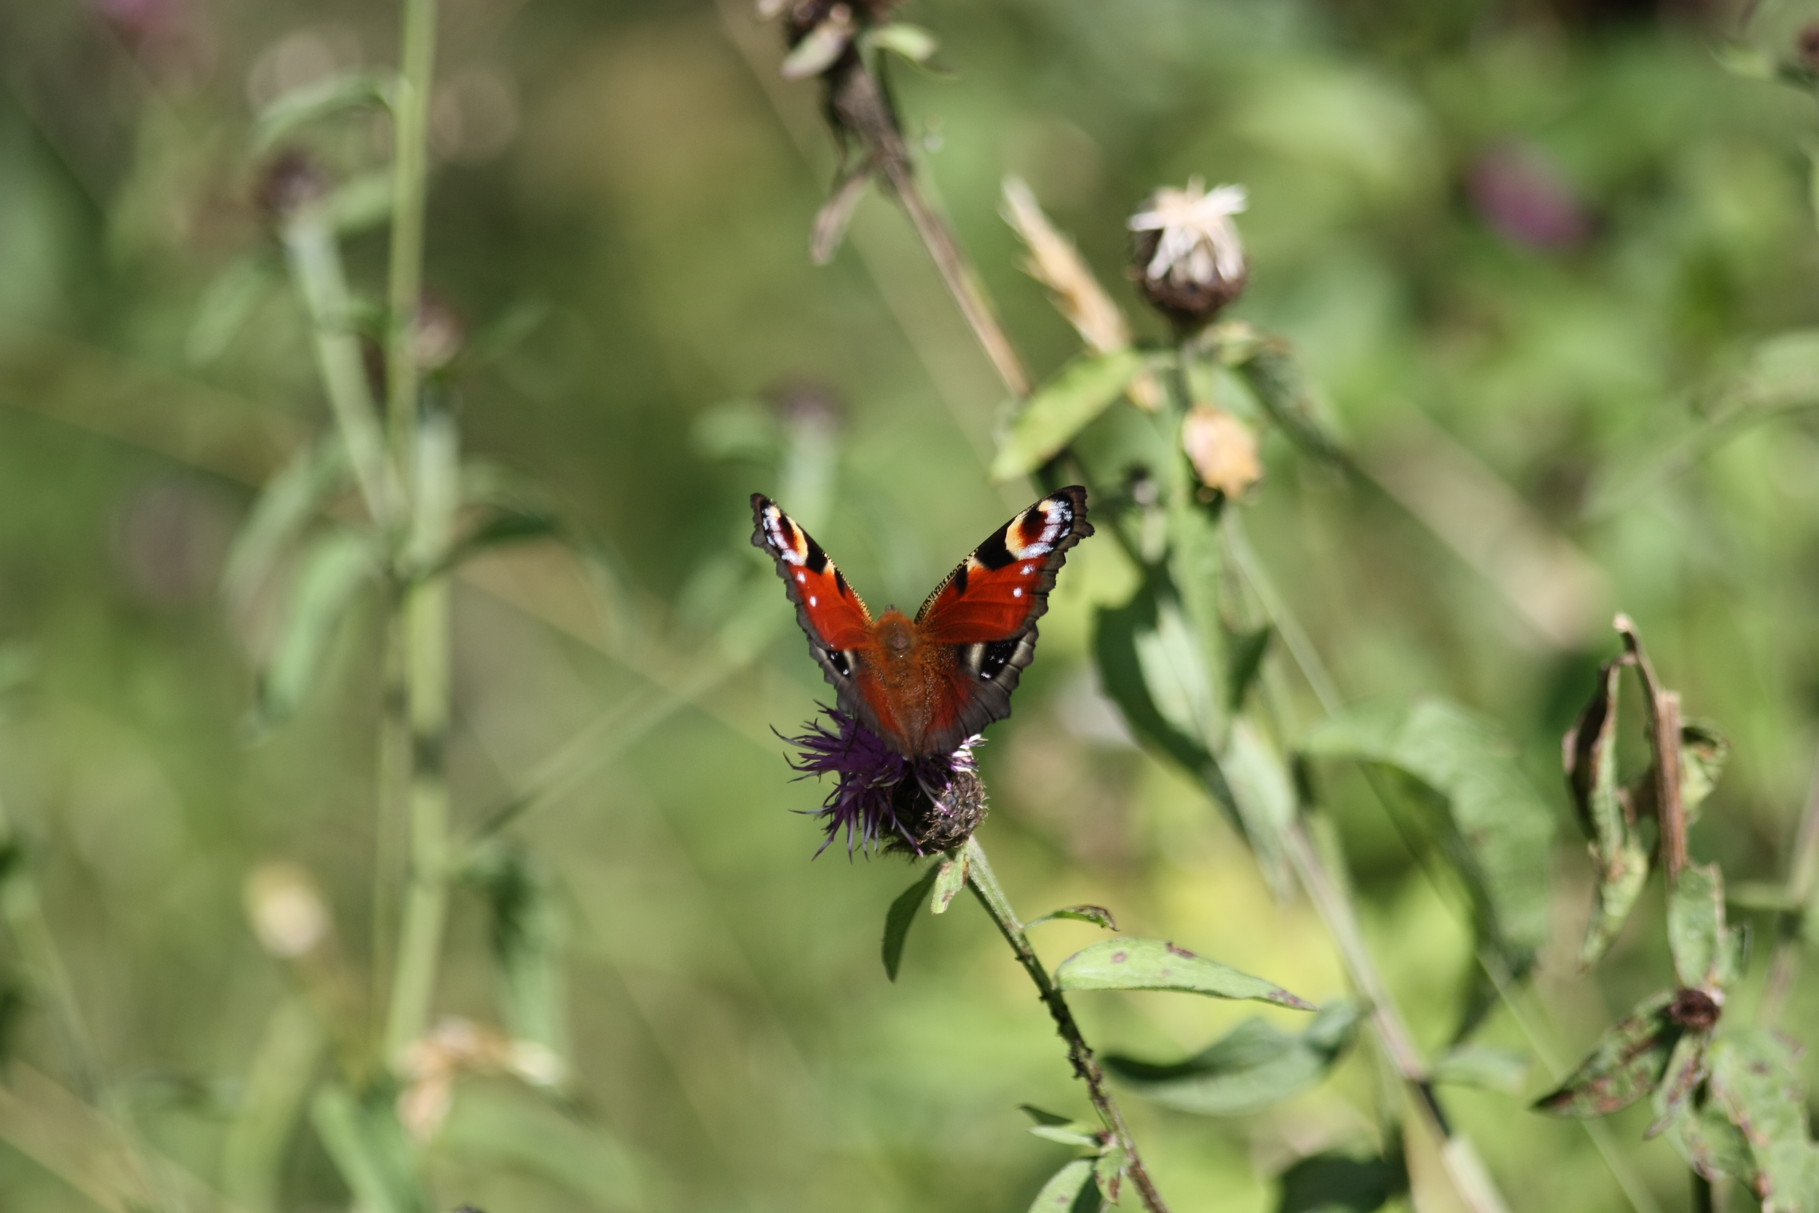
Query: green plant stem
[(984, 883), (410, 136), (1791, 923), (425, 449), (426, 628), (315, 264)]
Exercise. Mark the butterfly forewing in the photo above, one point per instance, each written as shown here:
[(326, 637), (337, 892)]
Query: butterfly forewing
[(985, 613), (829, 610)]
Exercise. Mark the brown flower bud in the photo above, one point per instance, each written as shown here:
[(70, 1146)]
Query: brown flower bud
[(1222, 449)]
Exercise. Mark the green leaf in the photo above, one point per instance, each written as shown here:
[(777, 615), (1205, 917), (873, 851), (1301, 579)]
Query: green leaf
[(1483, 1067), (1686, 1069), (1247, 650), (1132, 963), (1153, 665), (1109, 1169), (899, 918), (227, 305), (911, 42), (1703, 753), (1695, 926), (367, 1145), (950, 878), (333, 570), (1756, 1082), (301, 489), (498, 528), (528, 937), (317, 100), (361, 203), (1097, 915), (1070, 1190), (1053, 1127), (1488, 820), (1055, 414), (1627, 1063), (1339, 1183), (1253, 1066), (1275, 377)]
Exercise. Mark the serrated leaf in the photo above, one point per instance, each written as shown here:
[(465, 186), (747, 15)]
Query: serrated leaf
[(368, 1147), (1099, 916), (950, 878), (1109, 1169), (1487, 820), (1058, 410), (1133, 963), (1627, 1063), (1338, 1183), (332, 572), (1695, 926), (317, 100), (1483, 1067), (901, 916), (1253, 1066), (1070, 1190)]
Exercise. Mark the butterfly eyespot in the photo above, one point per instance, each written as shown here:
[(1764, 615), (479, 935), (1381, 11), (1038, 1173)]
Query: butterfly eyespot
[(813, 601), (1028, 569), (801, 576), (1017, 593)]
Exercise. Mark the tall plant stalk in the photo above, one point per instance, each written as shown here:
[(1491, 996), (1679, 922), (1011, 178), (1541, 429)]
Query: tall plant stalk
[(985, 886), (425, 448)]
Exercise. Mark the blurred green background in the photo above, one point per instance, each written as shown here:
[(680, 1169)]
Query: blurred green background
[(1527, 250)]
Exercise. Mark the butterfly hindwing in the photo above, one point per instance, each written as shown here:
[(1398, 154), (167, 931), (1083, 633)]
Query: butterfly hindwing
[(838, 625), (985, 614)]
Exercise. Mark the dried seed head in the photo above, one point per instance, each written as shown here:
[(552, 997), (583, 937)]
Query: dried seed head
[(938, 820), (1186, 251)]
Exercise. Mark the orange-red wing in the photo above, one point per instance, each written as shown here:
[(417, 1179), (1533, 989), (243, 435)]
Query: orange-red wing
[(830, 612), (985, 613)]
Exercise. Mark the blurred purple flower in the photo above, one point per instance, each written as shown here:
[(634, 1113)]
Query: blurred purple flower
[(883, 799), (1523, 195)]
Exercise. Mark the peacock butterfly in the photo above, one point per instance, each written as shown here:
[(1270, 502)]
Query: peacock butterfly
[(925, 685)]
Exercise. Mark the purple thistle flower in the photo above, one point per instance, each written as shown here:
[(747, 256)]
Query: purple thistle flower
[(882, 798)]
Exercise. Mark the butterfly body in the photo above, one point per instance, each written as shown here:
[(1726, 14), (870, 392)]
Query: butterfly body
[(925, 684)]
